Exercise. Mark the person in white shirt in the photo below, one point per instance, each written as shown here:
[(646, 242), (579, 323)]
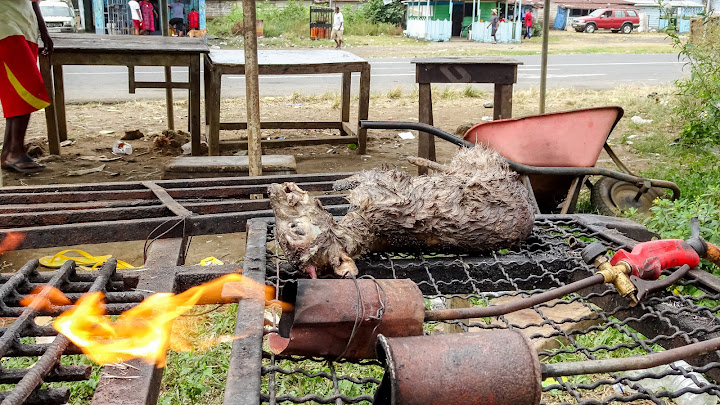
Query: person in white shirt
[(135, 13), (338, 26)]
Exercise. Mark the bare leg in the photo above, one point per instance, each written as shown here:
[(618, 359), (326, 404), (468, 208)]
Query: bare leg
[(13, 153)]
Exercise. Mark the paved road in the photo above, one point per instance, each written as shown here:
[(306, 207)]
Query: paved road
[(91, 83)]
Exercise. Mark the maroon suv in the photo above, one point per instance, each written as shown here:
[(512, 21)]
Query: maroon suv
[(608, 19)]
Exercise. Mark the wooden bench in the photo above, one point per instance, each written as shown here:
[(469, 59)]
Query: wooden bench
[(226, 166)]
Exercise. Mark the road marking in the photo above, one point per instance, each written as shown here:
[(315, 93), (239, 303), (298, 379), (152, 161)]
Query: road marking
[(553, 76)]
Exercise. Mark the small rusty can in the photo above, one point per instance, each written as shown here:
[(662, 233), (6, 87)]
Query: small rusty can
[(498, 367), (342, 318)]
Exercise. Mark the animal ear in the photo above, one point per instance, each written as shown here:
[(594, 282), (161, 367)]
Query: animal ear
[(344, 264)]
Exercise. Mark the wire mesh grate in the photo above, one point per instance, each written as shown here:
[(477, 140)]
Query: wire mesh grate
[(597, 324)]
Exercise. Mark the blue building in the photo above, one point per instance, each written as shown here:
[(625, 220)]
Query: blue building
[(112, 17)]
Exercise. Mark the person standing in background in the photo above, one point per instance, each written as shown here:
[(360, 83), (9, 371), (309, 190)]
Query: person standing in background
[(148, 16), (177, 16), (338, 27), (528, 24), (22, 90), (494, 23), (136, 16), (193, 19)]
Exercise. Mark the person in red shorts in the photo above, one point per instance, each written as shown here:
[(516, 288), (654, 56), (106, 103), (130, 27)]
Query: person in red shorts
[(22, 90)]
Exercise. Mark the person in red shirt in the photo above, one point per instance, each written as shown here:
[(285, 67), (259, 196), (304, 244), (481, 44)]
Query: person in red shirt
[(528, 24), (193, 18), (22, 90)]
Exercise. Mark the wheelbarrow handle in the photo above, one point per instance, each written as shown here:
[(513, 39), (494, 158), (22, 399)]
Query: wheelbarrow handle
[(519, 167)]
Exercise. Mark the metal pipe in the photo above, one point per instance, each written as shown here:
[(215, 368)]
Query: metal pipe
[(497, 310), (519, 167), (543, 60), (630, 363)]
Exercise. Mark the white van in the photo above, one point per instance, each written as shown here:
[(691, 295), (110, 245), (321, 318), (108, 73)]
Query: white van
[(59, 16)]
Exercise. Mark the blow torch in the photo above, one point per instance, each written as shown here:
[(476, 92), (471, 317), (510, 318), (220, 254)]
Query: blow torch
[(628, 270)]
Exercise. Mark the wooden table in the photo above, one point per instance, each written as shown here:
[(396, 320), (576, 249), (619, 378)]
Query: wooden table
[(284, 62), (500, 71), (130, 51)]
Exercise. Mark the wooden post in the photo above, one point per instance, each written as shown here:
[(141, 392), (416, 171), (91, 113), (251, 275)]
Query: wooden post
[(60, 102), (363, 108), (544, 57), (252, 88), (426, 143), (194, 104), (164, 20), (503, 101), (212, 105), (169, 98), (345, 96), (50, 119)]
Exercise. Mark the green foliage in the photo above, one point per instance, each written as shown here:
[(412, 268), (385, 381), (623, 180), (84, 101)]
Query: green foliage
[(199, 376), (671, 219), (378, 12), (293, 19), (699, 108)]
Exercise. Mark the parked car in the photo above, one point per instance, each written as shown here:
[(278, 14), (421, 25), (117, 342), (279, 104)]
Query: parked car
[(608, 19), (59, 16)]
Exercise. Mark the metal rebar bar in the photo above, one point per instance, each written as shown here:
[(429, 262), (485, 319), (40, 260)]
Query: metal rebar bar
[(51, 358), (497, 310), (630, 363)]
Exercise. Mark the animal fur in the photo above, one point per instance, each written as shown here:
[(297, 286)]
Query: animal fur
[(475, 203)]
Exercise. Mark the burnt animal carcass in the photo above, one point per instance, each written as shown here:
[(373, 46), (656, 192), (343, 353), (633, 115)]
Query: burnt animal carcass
[(474, 203)]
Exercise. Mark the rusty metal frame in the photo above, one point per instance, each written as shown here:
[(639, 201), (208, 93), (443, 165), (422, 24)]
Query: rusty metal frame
[(125, 211)]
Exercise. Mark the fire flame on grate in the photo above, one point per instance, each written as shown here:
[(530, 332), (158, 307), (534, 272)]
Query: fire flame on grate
[(144, 331)]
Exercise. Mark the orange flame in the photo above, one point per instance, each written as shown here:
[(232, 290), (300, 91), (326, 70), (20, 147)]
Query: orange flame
[(145, 330), (11, 241), (45, 298)]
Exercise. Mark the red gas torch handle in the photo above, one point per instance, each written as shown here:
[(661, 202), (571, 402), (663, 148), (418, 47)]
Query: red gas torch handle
[(648, 259)]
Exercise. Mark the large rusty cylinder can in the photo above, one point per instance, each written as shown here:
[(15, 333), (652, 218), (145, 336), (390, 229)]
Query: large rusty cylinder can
[(342, 318), (498, 367)]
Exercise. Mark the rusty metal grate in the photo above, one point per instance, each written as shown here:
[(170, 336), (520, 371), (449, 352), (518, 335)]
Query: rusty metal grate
[(592, 325), (28, 365)]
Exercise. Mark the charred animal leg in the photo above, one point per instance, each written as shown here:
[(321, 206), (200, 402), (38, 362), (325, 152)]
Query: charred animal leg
[(420, 162)]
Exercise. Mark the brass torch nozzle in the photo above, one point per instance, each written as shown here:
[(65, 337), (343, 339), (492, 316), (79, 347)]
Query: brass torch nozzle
[(618, 276)]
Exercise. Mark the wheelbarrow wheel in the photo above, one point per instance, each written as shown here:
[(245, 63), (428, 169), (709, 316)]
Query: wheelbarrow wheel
[(611, 196)]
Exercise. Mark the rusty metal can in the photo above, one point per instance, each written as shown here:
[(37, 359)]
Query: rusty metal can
[(339, 318), (498, 367)]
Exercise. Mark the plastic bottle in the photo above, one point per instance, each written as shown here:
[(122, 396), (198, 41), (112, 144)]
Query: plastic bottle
[(671, 383)]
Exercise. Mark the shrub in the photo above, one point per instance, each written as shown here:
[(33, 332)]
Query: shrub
[(699, 107), (292, 19)]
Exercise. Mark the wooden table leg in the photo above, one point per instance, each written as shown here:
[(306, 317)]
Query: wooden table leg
[(345, 96), (426, 142), (194, 116), (59, 84), (363, 108), (206, 83), (50, 118), (169, 98), (503, 101), (212, 108)]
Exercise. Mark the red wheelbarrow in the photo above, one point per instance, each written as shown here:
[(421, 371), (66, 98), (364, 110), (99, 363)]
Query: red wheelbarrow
[(556, 154)]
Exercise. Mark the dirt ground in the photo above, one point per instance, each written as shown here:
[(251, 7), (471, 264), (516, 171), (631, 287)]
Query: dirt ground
[(94, 128)]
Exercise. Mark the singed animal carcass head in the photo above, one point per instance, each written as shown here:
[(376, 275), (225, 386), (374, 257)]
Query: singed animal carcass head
[(303, 228)]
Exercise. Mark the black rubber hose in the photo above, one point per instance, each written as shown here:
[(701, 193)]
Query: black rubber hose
[(519, 167)]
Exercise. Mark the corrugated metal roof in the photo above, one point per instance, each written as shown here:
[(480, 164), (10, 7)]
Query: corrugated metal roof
[(595, 4), (671, 3)]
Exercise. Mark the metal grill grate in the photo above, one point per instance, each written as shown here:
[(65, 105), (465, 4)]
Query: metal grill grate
[(28, 365), (593, 325)]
